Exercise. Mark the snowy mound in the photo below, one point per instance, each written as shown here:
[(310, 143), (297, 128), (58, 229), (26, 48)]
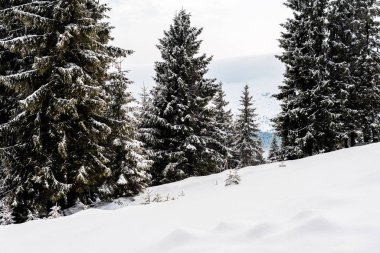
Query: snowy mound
[(328, 203)]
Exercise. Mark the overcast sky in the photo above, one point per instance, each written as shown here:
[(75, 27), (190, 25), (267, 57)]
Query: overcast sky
[(241, 35)]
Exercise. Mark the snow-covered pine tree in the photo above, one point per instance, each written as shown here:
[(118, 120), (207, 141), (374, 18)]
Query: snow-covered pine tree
[(233, 178), (8, 62), (55, 212), (306, 123), (129, 164), (340, 79), (145, 99), (274, 150), (248, 144), (292, 38), (364, 96), (180, 127), (6, 213), (57, 155), (7, 104), (6, 95), (145, 109), (224, 119)]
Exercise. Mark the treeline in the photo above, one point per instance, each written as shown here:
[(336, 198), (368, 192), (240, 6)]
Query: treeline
[(331, 93), (70, 134)]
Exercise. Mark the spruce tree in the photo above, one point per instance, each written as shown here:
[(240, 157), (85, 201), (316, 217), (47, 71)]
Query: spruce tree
[(224, 119), (129, 163), (145, 100), (289, 121), (8, 62), (340, 56), (307, 124), (7, 98), (248, 145), (57, 155), (364, 96), (274, 150), (331, 93), (6, 213), (179, 128)]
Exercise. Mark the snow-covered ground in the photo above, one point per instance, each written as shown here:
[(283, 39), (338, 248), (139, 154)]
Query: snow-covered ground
[(324, 204)]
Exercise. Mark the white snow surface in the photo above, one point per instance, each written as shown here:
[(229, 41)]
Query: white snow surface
[(327, 203)]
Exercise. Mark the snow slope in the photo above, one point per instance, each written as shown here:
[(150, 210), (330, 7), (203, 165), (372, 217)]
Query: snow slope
[(323, 204)]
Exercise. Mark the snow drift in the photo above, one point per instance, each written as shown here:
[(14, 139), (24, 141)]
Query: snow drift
[(327, 203)]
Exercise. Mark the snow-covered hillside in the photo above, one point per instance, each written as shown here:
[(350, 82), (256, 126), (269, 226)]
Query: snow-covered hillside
[(328, 203)]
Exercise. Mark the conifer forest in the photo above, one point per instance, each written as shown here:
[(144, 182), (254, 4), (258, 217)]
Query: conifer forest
[(74, 136)]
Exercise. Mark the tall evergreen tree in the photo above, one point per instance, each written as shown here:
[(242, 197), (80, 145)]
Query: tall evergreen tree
[(180, 128), (6, 95), (306, 124), (8, 62), (340, 55), (364, 96), (145, 109), (274, 150), (58, 154), (129, 163), (145, 99), (331, 92), (7, 104), (248, 144), (224, 119)]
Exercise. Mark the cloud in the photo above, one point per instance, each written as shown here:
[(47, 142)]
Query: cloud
[(242, 69), (232, 28)]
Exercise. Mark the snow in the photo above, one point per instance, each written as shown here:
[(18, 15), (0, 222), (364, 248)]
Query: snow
[(327, 203)]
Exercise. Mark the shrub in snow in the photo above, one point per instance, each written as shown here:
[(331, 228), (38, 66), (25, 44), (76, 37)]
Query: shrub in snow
[(182, 194), (6, 217), (233, 178), (31, 216), (147, 197), (157, 198), (6, 212), (55, 212)]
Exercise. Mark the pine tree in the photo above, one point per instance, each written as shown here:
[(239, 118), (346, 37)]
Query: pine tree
[(340, 56), (128, 158), (6, 216), (233, 178), (224, 119), (145, 100), (8, 62), (364, 96), (179, 128), (331, 92), (248, 144), (274, 150), (292, 39), (6, 212), (7, 100), (55, 212), (59, 130), (308, 124)]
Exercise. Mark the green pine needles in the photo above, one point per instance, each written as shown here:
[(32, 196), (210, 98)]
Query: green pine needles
[(59, 144)]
